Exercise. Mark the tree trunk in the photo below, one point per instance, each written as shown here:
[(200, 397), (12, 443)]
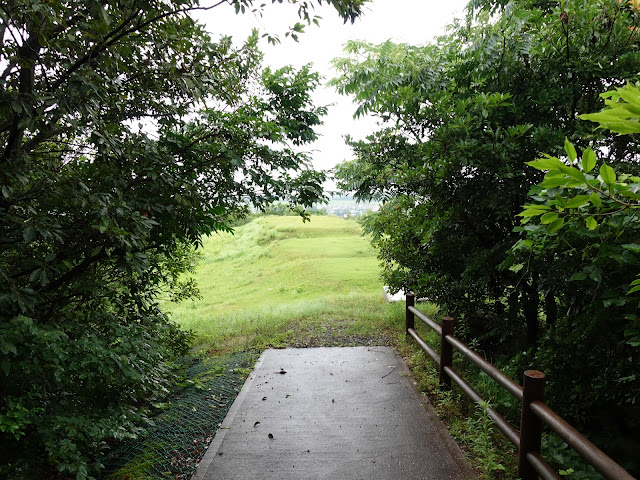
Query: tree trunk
[(531, 303), (550, 308)]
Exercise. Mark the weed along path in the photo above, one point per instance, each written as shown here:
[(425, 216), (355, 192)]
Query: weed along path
[(331, 413)]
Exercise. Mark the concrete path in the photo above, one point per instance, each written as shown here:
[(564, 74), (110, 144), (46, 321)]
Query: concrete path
[(337, 413)]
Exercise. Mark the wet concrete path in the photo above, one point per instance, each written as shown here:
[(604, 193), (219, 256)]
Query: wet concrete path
[(331, 413)]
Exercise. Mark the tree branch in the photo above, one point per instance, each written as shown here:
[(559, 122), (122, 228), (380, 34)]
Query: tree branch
[(118, 33), (28, 54)]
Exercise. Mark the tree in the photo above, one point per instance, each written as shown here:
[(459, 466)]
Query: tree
[(126, 134), (580, 234), (460, 120)]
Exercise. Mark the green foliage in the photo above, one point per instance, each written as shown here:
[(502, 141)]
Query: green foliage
[(89, 371), (581, 236), (566, 460), (588, 224), (481, 433), (462, 117), (622, 112), (462, 121), (126, 134)]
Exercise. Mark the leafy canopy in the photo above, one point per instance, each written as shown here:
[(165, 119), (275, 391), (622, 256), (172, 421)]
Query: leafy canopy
[(461, 120), (126, 134)]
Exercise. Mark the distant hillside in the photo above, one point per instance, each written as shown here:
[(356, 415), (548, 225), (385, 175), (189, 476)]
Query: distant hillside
[(277, 270)]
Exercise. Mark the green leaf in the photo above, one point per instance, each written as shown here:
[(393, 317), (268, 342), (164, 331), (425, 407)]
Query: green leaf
[(534, 210), (630, 195), (573, 173), (618, 120), (517, 267), (555, 182), (29, 234), (634, 247), (570, 149), (618, 302), (572, 182), (554, 174), (588, 160), (104, 14), (559, 199), (35, 275), (577, 201), (607, 174), (595, 199), (6, 347), (591, 222), (634, 289), (629, 93), (547, 163), (578, 277), (554, 226), (548, 217)]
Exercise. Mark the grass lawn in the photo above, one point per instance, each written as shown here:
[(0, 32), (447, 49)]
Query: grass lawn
[(280, 282)]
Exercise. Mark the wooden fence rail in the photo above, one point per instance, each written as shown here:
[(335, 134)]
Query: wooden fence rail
[(531, 396)]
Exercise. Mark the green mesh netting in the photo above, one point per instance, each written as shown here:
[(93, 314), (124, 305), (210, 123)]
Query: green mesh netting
[(177, 442)]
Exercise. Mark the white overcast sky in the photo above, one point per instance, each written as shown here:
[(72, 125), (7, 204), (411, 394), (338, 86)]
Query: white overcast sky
[(403, 21)]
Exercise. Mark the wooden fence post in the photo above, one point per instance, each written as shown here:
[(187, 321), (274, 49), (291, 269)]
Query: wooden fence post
[(530, 424), (409, 319), (446, 351)]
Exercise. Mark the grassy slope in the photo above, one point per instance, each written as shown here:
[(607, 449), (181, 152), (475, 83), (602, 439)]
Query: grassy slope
[(278, 281)]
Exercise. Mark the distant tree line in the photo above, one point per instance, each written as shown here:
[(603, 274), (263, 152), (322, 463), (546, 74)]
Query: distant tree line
[(285, 209)]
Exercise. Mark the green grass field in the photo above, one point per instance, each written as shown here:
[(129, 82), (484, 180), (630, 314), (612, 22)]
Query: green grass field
[(278, 281)]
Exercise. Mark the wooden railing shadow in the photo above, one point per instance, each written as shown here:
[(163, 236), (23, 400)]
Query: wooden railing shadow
[(531, 396)]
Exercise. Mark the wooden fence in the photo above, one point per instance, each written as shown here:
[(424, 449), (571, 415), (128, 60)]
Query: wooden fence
[(531, 396)]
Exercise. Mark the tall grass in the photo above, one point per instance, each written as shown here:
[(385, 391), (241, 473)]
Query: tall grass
[(277, 281)]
